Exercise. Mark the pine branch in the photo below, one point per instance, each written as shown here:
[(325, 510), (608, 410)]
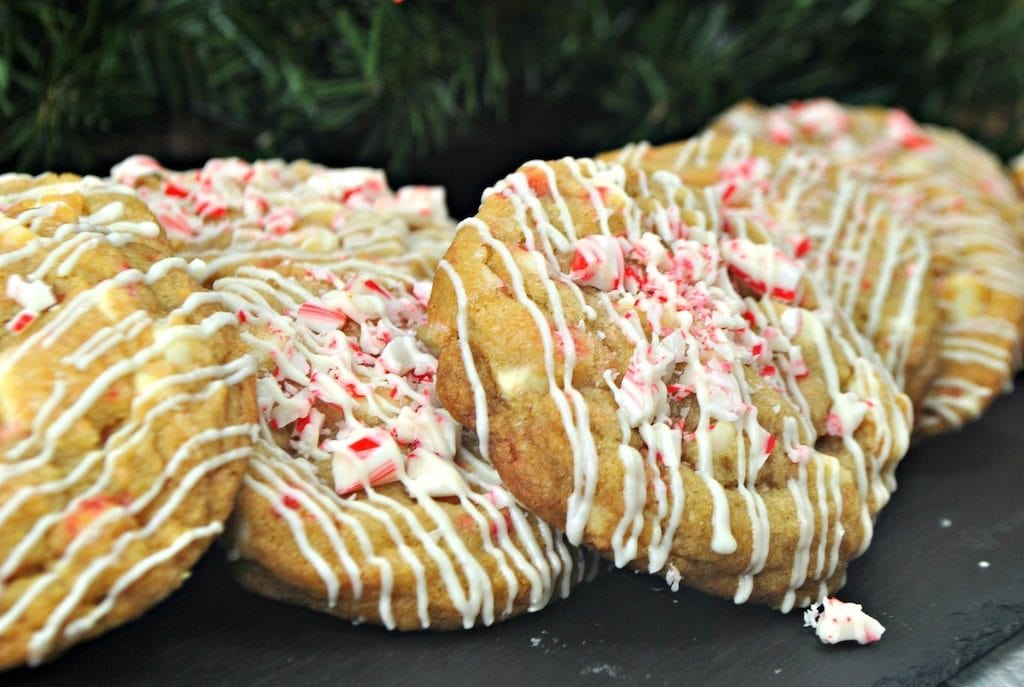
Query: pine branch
[(399, 85)]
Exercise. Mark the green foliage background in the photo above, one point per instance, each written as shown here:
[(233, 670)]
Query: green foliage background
[(460, 92)]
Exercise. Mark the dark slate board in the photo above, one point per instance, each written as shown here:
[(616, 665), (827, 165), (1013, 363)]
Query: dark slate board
[(922, 580)]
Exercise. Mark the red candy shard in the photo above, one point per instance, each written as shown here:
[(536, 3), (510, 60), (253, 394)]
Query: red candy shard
[(89, 509), (177, 222), (579, 262), (728, 192), (374, 286), (364, 444), (759, 287), (175, 190), (320, 317), (538, 182), (21, 321), (379, 475), (801, 246)]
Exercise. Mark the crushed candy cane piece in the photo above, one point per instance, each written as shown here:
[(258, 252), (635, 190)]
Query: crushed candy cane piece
[(763, 267), (367, 456), (599, 262), (836, 621), (35, 296), (906, 131), (319, 318)]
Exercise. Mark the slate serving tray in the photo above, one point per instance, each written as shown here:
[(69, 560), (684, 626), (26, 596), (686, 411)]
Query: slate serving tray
[(958, 505)]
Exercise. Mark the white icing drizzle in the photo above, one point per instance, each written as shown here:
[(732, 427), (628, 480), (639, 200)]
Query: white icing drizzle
[(84, 492), (700, 340)]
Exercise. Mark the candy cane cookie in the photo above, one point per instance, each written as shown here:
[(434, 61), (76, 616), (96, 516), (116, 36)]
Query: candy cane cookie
[(680, 400), (365, 500), (874, 264), (961, 199), (127, 411)]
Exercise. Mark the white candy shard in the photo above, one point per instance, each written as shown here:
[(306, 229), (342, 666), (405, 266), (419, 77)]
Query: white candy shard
[(34, 296), (402, 355), (598, 262), (838, 621), (434, 475), (846, 414), (820, 117)]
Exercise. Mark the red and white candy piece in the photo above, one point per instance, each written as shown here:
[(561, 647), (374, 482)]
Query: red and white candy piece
[(279, 221), (764, 268), (423, 201), (132, 169), (838, 621), (598, 261), (901, 128), (821, 117), (210, 205), (177, 221), (33, 296), (642, 395), (319, 317), (780, 130), (366, 456), (845, 416), (355, 187), (738, 181), (718, 389)]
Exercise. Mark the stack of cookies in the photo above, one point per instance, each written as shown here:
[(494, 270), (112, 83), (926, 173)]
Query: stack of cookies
[(702, 360)]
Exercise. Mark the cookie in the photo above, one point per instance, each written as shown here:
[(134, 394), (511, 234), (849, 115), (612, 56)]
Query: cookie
[(873, 263), (961, 199), (366, 500), (683, 402), (127, 410)]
